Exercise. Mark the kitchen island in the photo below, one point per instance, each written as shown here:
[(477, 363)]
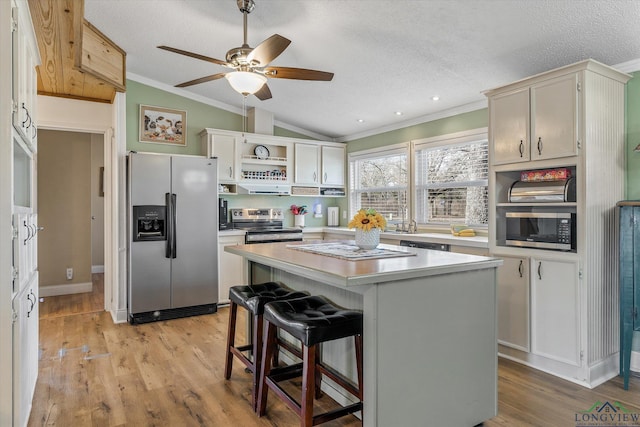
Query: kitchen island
[(430, 352)]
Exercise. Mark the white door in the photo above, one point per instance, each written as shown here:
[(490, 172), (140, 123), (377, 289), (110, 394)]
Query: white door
[(306, 159), (555, 310), (333, 165), (513, 303), (554, 118), (510, 127), (224, 148)]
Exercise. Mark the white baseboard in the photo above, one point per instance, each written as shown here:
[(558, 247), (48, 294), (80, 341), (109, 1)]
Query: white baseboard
[(67, 289), (119, 316), (97, 269)]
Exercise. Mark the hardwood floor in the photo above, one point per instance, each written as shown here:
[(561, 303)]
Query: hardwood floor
[(96, 373)]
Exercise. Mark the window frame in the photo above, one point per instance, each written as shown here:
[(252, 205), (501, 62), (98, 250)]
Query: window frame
[(410, 150), (447, 140)]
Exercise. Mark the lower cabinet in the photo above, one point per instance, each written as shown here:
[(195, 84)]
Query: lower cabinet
[(513, 303), (25, 350), (230, 267), (312, 236), (555, 314)]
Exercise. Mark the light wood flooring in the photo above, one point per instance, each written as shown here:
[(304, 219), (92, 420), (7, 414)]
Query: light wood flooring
[(95, 373)]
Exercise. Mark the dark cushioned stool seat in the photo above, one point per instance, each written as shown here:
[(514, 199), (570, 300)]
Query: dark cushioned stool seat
[(313, 320), (253, 298)]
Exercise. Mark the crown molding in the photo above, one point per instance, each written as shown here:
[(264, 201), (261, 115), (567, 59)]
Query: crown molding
[(466, 108), (629, 66)]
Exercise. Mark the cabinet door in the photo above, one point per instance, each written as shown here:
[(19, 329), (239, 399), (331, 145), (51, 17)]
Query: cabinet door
[(230, 267), (333, 165), (224, 148), (306, 161), (510, 127), (513, 303), (25, 350), (554, 118), (554, 310)]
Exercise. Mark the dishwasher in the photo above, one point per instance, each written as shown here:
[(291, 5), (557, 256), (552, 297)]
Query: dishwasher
[(425, 245)]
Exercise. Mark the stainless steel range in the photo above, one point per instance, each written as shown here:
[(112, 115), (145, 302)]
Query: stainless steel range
[(264, 225)]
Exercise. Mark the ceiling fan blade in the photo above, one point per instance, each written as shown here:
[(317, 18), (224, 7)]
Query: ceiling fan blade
[(264, 93), (297, 74), (202, 80), (194, 55), (268, 50)]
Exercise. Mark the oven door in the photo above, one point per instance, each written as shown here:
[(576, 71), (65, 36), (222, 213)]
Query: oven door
[(541, 230)]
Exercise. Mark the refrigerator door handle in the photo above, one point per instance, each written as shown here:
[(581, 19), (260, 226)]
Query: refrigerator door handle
[(174, 248), (170, 223)]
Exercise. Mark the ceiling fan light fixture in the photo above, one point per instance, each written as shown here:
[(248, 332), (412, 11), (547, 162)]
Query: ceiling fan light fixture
[(246, 82)]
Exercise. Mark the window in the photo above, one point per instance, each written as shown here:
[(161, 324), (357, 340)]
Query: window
[(451, 180), (379, 180)]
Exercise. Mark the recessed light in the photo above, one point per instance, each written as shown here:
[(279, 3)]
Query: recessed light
[(360, 120), (435, 98), (398, 113)]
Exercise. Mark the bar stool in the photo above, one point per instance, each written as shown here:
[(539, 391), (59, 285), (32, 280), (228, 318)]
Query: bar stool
[(313, 320), (253, 298)]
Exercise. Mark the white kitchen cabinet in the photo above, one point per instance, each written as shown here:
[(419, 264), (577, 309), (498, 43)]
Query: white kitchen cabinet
[(25, 350), (577, 114), (306, 236), (555, 310), (333, 166), (225, 148), (536, 122), (25, 59), (513, 302), (25, 247), (231, 269), (306, 164)]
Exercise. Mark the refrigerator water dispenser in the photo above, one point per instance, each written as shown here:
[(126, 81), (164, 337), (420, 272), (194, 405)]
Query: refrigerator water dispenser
[(149, 223)]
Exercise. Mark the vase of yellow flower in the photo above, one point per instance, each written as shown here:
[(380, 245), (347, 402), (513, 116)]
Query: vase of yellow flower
[(368, 224)]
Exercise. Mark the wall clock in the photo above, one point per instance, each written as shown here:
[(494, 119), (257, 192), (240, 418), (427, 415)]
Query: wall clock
[(261, 152)]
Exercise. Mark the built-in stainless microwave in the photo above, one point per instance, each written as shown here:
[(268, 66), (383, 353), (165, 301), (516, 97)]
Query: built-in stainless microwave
[(543, 230)]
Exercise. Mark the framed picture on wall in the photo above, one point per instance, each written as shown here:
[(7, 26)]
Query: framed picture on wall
[(161, 125)]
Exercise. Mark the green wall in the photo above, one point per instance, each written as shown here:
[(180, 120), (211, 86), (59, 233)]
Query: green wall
[(633, 137)]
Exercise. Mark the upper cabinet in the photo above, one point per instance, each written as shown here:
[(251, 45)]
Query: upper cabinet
[(333, 165), (535, 122), (25, 59), (310, 168), (319, 164)]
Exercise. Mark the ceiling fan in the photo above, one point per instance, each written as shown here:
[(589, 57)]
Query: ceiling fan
[(250, 65)]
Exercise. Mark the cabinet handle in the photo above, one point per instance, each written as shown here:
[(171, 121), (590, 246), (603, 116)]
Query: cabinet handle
[(325, 177), (315, 176), (27, 118), (521, 148), (520, 268), (230, 172), (34, 132), (540, 146), (540, 270), (29, 232), (32, 301)]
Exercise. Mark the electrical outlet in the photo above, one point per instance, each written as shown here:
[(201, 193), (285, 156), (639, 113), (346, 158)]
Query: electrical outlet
[(69, 273)]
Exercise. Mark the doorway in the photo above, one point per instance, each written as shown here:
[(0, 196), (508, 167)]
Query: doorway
[(70, 182)]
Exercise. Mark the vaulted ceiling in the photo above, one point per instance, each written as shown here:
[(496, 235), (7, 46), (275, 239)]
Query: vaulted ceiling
[(388, 56)]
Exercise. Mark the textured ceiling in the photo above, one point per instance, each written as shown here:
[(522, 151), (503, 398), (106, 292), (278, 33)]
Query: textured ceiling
[(387, 55)]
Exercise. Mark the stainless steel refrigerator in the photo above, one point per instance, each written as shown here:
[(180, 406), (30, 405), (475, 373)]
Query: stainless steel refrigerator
[(173, 222)]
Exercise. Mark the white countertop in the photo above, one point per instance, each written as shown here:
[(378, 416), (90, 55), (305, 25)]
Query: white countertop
[(344, 273)]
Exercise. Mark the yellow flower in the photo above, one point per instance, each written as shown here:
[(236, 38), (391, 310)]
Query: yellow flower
[(367, 219)]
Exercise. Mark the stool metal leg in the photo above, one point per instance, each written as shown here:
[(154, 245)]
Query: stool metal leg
[(231, 338)]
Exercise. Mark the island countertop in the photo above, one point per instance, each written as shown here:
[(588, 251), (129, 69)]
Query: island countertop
[(345, 273)]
